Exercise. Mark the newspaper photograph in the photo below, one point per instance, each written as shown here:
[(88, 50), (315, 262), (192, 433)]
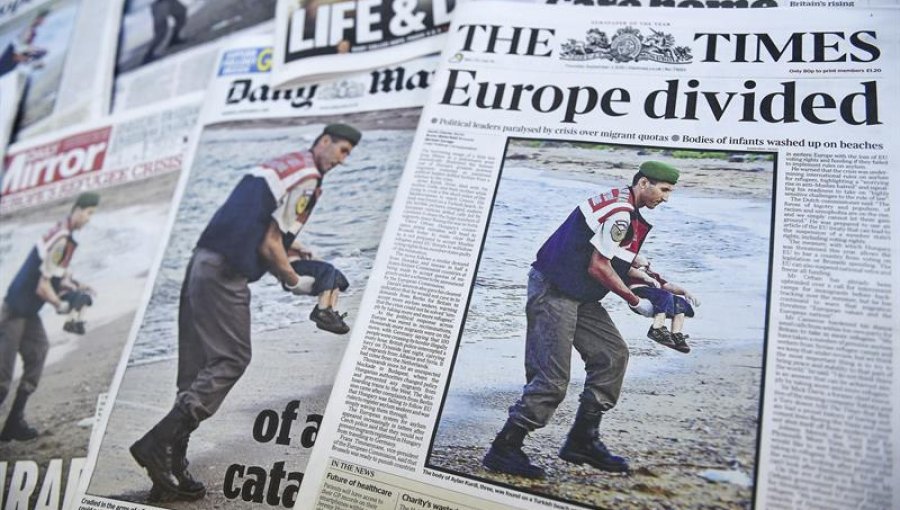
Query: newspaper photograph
[(79, 231), (63, 48), (168, 48), (10, 92), (295, 182), (320, 39), (620, 271)]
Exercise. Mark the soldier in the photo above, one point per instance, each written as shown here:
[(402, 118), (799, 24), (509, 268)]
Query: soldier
[(162, 10), (43, 278), (22, 50), (246, 238), (586, 258)]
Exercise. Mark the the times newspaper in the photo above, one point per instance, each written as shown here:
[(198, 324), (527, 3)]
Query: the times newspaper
[(10, 91), (772, 259), (317, 40), (252, 450), (168, 48), (65, 49), (60, 349)]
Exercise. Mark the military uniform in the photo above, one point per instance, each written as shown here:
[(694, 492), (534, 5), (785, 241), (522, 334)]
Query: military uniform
[(592, 248), (214, 309), (21, 329), (564, 311)]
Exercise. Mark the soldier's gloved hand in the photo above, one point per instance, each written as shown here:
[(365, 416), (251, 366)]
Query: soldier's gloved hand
[(63, 307), (303, 287), (643, 307)]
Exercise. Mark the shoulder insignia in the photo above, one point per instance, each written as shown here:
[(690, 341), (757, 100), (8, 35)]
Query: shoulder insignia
[(619, 230)]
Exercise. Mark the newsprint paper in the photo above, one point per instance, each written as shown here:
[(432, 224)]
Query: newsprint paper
[(10, 91), (168, 48), (80, 216), (766, 141), (316, 39), (252, 423), (65, 50)]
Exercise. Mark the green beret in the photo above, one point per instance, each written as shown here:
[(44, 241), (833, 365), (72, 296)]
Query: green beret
[(349, 133), (87, 199), (659, 171)]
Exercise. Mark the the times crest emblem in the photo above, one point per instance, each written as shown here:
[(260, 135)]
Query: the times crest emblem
[(626, 45)]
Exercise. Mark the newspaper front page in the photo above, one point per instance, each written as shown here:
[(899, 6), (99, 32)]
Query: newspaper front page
[(761, 370), (251, 422), (80, 216), (316, 40), (168, 48), (65, 50)]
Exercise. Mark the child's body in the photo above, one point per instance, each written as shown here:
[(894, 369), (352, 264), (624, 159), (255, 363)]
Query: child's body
[(669, 301), (78, 298), (328, 284)]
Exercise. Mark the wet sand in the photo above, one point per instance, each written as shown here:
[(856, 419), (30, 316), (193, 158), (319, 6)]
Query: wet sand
[(78, 368), (67, 395), (679, 415), (297, 363)]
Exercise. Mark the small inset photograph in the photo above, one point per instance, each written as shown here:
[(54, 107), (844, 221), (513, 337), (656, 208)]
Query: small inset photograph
[(611, 354), (35, 44), (154, 29)]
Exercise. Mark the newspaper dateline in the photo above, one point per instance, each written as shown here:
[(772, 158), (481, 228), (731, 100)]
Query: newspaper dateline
[(572, 168)]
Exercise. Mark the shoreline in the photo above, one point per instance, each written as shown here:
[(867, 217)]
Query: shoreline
[(66, 395), (295, 363), (662, 424), (752, 179), (681, 420)]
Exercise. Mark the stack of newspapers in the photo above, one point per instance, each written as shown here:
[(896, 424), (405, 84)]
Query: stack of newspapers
[(447, 255)]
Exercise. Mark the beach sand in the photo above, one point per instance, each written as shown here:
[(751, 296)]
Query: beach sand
[(297, 363), (662, 422), (292, 359), (679, 416), (78, 368), (67, 395)]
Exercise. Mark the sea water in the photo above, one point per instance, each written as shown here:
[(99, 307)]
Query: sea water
[(344, 229), (714, 245)]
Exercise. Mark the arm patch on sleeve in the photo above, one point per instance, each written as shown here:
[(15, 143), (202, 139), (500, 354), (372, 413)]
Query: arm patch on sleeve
[(618, 230)]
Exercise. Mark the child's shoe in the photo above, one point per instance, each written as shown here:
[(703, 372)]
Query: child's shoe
[(661, 336), (74, 326), (679, 344), (329, 320)]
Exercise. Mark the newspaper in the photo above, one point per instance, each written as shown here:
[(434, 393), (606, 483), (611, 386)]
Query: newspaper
[(516, 213), (95, 260), (252, 451), (724, 4), (168, 48), (65, 50), (317, 40), (10, 92)]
